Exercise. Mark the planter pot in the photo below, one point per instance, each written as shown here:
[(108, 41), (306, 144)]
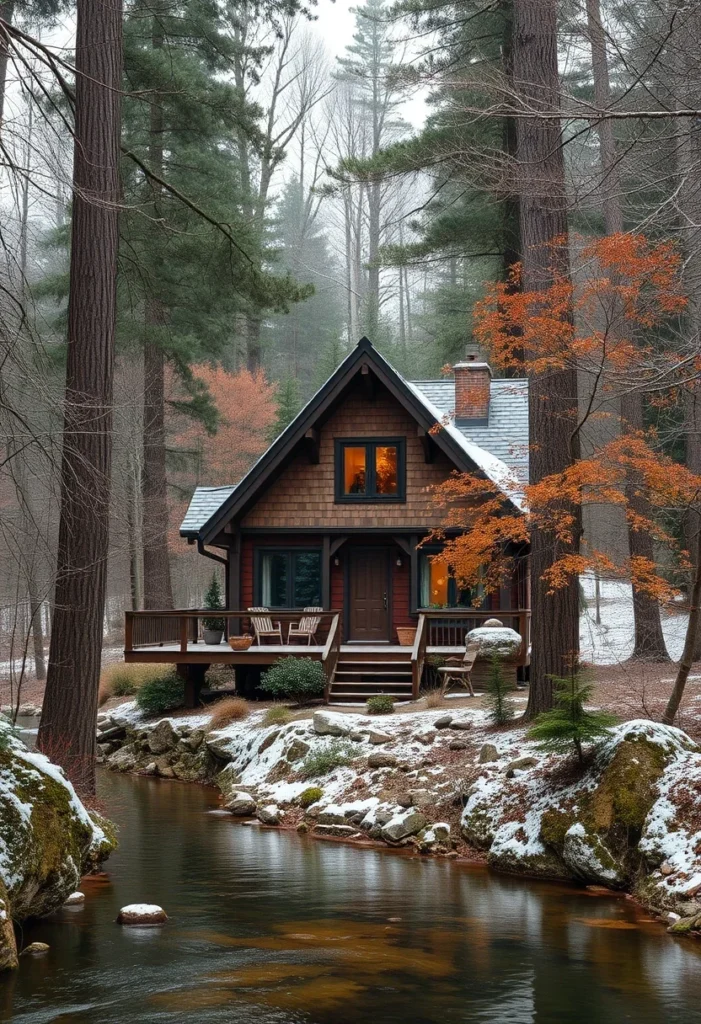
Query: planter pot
[(212, 636), (406, 635), (240, 643)]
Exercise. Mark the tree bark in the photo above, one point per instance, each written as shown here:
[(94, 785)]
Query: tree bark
[(688, 653), (554, 443), (649, 642), (7, 13), (67, 730), (158, 591)]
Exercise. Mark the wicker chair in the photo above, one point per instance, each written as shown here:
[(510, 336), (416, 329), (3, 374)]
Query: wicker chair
[(306, 627), (460, 671), (263, 625)]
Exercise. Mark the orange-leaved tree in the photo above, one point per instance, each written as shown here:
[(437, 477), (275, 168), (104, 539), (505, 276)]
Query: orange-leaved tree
[(624, 303)]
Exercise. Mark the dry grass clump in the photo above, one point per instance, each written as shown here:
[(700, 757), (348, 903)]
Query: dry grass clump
[(434, 699), (119, 680), (277, 715), (226, 711)]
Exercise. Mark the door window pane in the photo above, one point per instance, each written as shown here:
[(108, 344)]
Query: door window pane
[(307, 579), (354, 470), (274, 570), (386, 474)]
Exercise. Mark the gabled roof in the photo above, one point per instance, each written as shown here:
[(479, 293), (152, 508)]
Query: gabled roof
[(428, 402)]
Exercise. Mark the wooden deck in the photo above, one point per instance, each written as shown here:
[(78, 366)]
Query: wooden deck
[(352, 670)]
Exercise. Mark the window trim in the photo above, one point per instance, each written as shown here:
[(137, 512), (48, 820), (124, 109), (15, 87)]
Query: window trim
[(425, 552), (281, 549), (370, 444)]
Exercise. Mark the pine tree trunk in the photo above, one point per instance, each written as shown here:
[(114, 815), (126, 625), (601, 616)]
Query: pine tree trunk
[(552, 396), (67, 730), (649, 639), (158, 591), (692, 631)]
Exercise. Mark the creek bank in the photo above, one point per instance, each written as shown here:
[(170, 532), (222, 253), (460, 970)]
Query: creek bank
[(630, 819), (48, 840)]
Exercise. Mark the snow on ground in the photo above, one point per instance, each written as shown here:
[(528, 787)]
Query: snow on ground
[(611, 642)]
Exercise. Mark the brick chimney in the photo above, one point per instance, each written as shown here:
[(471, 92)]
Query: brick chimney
[(472, 381)]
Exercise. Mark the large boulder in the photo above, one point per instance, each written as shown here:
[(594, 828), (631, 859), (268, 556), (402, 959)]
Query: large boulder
[(331, 723), (47, 838), (499, 641), (162, 738), (402, 825)]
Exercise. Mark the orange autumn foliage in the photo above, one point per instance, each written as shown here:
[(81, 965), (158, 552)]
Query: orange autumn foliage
[(602, 324), (246, 404)]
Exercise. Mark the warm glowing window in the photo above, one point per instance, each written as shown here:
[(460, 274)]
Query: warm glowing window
[(370, 470), (439, 589)]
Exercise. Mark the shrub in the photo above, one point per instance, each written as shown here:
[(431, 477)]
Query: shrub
[(435, 699), (119, 680), (324, 760), (380, 704), (310, 796), (162, 693), (227, 710), (299, 679), (279, 715), (569, 722), (500, 707), (213, 601)]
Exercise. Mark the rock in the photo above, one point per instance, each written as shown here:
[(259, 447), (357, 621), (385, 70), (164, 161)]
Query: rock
[(381, 759), (75, 899), (405, 800), (520, 765), (242, 805), (329, 817), (339, 831), (194, 740), (8, 943), (269, 740), (149, 769), (420, 797), (426, 737), (123, 760), (219, 746), (297, 750), (685, 925), (488, 752), (458, 744), (377, 736), (165, 771), (401, 826), (115, 732), (35, 949), (587, 857), (162, 738), (441, 831), (331, 723), (142, 914), (461, 723), (48, 839), (443, 722), (356, 736), (269, 815), (689, 908), (666, 868), (495, 640), (302, 828), (227, 780)]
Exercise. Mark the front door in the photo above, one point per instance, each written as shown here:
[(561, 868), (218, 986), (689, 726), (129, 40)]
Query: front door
[(368, 595)]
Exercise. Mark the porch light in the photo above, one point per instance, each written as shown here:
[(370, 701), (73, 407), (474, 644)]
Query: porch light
[(399, 561), (336, 561)]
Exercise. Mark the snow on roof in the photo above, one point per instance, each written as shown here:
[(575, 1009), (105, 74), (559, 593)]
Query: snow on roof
[(203, 504), (500, 447)]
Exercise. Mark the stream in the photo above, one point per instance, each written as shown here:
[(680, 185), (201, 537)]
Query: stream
[(273, 928)]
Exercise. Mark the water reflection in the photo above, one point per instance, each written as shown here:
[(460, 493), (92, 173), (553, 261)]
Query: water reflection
[(269, 927)]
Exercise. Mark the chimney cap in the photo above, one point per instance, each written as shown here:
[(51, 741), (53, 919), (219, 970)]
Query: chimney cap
[(473, 364)]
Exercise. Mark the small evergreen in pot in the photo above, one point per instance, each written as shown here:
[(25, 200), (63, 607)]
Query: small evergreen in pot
[(213, 629)]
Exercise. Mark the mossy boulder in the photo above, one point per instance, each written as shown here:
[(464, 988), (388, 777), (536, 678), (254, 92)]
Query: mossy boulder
[(48, 839)]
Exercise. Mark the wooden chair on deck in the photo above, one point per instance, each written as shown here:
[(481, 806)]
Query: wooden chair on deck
[(459, 671), (306, 627), (263, 625)]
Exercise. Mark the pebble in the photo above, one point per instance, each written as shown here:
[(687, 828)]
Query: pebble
[(142, 914), (74, 899)]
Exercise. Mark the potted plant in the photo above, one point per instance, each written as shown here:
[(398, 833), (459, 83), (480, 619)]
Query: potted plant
[(213, 629)]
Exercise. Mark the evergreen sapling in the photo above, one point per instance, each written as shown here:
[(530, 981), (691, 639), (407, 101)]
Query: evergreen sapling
[(500, 706), (213, 601), (569, 722)]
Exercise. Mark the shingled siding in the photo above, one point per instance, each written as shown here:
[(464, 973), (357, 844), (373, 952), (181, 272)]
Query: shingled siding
[(303, 496)]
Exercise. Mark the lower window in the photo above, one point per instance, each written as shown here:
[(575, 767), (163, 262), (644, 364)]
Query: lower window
[(288, 578)]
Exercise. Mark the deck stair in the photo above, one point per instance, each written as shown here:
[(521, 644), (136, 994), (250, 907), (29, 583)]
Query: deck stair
[(365, 673)]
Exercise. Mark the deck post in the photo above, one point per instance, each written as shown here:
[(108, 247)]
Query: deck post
[(193, 677), (326, 571)]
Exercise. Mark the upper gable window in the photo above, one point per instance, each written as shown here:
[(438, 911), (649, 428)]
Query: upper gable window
[(371, 470)]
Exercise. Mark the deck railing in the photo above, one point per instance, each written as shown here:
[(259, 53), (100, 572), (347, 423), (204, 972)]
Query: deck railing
[(447, 627), (182, 626)]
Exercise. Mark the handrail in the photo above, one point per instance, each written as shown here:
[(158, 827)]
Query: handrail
[(153, 627), (418, 654), (332, 649), (478, 613), (222, 613)]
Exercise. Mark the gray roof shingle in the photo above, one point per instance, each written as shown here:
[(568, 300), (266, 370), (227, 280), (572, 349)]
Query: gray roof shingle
[(203, 504)]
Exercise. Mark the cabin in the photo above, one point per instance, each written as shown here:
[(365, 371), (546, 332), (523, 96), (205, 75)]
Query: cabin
[(334, 517)]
